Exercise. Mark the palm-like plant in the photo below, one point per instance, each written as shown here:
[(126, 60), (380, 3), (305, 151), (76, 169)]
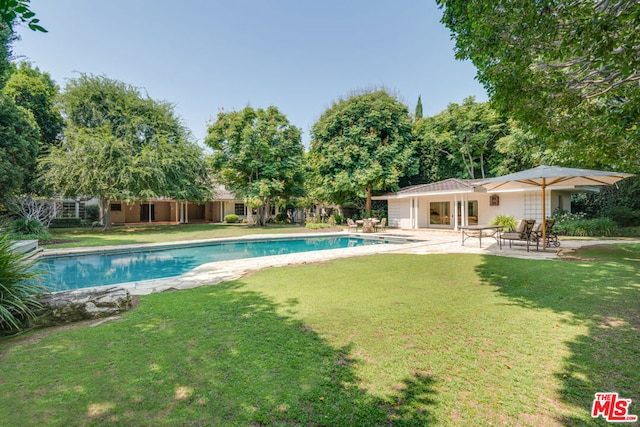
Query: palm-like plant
[(508, 222), (19, 287)]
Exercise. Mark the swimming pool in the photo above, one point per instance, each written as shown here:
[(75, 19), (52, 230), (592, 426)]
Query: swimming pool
[(64, 272)]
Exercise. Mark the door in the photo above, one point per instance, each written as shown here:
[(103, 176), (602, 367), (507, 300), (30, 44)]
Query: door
[(144, 212), (440, 214), (471, 212)]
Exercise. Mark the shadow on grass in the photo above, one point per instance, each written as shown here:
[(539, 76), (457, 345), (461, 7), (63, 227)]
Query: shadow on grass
[(224, 356), (602, 293)]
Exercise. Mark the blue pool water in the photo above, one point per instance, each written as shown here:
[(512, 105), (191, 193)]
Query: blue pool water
[(81, 271)]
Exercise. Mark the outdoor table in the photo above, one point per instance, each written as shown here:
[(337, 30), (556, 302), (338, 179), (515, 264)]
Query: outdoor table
[(367, 225), (480, 231)]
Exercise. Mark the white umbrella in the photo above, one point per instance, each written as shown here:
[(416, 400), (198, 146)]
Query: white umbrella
[(550, 176)]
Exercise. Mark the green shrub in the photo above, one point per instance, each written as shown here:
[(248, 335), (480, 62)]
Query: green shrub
[(92, 213), (587, 227), (622, 215), (629, 232), (231, 218), (19, 288), (65, 222), (565, 216), (337, 218), (313, 219), (508, 222), (317, 225), (27, 226), (281, 218), (32, 229)]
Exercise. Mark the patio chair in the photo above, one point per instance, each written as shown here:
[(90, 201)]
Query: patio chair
[(382, 225), (524, 233), (552, 238), (351, 225)]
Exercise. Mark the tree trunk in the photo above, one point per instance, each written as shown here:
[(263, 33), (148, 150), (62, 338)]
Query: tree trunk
[(105, 205), (259, 214), (266, 209), (250, 219), (368, 205)]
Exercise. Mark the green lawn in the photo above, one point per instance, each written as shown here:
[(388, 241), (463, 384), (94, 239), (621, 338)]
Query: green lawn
[(380, 340), (82, 237)]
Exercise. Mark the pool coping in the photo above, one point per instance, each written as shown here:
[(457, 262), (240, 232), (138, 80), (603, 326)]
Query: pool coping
[(77, 251), (219, 271)]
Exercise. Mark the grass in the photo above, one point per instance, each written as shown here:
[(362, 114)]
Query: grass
[(380, 340), (83, 237)]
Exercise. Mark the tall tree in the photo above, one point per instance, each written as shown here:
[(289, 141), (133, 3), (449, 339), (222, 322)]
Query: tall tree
[(19, 137), (19, 132), (468, 134), (121, 145), (258, 155), (460, 142), (521, 149), (37, 92), (567, 69), (362, 145), (7, 37), (418, 112)]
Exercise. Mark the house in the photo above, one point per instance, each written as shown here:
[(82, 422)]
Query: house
[(454, 202), (161, 209), (164, 209)]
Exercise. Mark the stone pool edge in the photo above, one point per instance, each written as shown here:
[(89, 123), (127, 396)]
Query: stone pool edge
[(221, 271)]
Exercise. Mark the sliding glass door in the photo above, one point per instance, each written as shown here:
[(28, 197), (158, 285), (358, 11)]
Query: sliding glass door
[(471, 212), (440, 214)]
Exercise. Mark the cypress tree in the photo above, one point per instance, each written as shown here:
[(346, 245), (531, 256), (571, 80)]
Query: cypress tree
[(418, 114)]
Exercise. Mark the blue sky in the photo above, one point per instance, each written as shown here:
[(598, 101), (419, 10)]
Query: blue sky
[(299, 55)]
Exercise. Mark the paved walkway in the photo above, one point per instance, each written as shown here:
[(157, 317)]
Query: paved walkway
[(423, 242)]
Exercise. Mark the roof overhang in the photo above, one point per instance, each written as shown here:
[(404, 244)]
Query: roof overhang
[(395, 196)]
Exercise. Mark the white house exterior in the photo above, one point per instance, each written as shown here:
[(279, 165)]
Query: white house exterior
[(456, 202)]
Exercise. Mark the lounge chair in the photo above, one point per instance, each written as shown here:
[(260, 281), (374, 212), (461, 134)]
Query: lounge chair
[(382, 225), (552, 238), (351, 225), (524, 233)]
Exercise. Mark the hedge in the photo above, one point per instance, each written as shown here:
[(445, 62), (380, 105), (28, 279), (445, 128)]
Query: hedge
[(65, 223)]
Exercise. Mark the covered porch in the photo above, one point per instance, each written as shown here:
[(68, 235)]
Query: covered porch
[(446, 204), (454, 203), (171, 211)]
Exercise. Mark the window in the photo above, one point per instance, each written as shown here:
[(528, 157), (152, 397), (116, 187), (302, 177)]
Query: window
[(239, 209), (472, 212), (116, 207), (439, 213), (68, 209)]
